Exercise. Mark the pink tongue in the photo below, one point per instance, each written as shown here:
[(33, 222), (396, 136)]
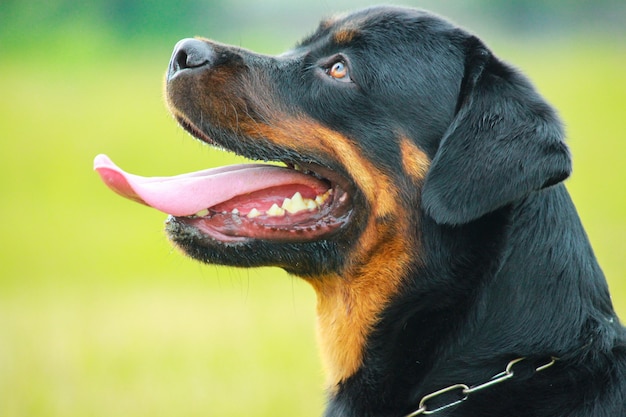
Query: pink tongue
[(187, 194)]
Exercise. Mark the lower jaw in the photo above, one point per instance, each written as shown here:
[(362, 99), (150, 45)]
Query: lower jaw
[(182, 229), (307, 259), (230, 229)]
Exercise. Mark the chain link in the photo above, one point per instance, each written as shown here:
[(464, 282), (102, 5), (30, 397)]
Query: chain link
[(464, 391)]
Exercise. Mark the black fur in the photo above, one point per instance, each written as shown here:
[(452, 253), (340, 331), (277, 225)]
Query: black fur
[(504, 268), (504, 142)]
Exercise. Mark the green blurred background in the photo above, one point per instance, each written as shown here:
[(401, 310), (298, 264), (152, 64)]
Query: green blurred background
[(99, 316)]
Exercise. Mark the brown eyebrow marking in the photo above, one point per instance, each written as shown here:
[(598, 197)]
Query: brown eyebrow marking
[(344, 36)]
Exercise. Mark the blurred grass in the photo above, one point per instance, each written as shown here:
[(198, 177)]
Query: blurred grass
[(100, 317)]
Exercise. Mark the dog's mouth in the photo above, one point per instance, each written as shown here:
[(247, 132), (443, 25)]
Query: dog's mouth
[(295, 202)]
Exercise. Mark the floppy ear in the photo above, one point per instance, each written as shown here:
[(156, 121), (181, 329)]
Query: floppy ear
[(504, 142)]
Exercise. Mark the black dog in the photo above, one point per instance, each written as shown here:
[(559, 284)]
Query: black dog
[(421, 198)]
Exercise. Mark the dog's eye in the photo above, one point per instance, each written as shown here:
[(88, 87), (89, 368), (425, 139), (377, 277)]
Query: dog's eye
[(339, 71)]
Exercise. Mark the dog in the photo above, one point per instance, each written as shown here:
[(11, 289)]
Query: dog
[(419, 190)]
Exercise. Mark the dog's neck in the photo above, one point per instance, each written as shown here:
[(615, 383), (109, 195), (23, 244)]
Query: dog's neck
[(350, 303), (462, 320), (348, 309)]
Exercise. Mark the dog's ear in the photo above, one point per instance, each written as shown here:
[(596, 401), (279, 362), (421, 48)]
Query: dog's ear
[(504, 142)]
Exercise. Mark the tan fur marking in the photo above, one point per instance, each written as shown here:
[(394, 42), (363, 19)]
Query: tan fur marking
[(414, 160), (349, 306)]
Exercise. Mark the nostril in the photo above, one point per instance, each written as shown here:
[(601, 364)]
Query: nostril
[(180, 60), (189, 54)]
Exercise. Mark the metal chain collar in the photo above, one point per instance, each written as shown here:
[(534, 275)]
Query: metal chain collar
[(464, 391)]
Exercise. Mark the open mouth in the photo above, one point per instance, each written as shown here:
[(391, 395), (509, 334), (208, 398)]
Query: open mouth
[(291, 203)]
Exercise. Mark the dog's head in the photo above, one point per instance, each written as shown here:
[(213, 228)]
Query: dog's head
[(387, 110)]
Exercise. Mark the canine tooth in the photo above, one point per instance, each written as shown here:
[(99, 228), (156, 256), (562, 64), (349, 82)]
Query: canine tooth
[(253, 213), (298, 202), (297, 197), (275, 211), (235, 211), (202, 213), (295, 204)]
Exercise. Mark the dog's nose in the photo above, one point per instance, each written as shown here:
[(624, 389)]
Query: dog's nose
[(189, 54)]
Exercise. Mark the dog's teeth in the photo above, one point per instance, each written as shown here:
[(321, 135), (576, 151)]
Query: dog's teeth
[(292, 205), (235, 211), (253, 213), (297, 198), (296, 204), (275, 211), (321, 199), (310, 204), (202, 213)]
